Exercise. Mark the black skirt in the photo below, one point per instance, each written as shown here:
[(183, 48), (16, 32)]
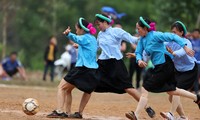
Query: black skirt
[(114, 76), (185, 80), (162, 78), (85, 79)]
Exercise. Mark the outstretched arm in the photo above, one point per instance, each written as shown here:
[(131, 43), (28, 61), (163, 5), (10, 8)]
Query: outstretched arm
[(77, 39), (22, 72), (169, 37), (189, 51), (67, 31), (130, 55), (123, 35)]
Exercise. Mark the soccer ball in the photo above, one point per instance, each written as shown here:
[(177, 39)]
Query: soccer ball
[(30, 106)]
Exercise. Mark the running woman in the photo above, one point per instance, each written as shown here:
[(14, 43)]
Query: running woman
[(84, 76), (186, 70), (163, 77), (114, 74)]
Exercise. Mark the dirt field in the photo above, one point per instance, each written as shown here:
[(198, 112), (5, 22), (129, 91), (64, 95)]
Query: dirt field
[(101, 106)]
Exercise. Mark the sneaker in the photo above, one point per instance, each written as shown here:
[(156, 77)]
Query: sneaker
[(182, 118), (198, 100), (6, 78), (55, 114), (150, 112), (76, 115), (168, 115), (131, 115)]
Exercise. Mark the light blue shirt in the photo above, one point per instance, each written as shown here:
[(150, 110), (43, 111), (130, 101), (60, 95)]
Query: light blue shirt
[(110, 42), (182, 61), (153, 44), (87, 50), (196, 48)]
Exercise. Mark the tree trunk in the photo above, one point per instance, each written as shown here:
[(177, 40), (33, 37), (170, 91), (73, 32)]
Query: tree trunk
[(198, 21), (4, 30), (54, 21)]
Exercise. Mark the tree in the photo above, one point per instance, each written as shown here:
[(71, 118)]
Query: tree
[(27, 24), (170, 11)]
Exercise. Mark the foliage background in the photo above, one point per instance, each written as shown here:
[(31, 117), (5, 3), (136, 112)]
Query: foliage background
[(30, 23)]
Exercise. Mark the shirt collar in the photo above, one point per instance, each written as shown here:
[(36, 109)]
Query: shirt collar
[(107, 29)]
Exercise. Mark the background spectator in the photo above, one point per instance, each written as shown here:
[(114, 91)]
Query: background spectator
[(10, 66), (49, 57), (195, 40)]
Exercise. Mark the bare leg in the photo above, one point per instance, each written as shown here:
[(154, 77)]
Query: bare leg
[(84, 101), (142, 103), (134, 93), (62, 87), (179, 109), (68, 100), (175, 102), (183, 93)]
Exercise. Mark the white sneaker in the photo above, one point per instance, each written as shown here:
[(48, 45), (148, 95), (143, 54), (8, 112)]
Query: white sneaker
[(168, 115), (182, 118)]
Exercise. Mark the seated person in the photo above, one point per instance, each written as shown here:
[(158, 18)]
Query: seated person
[(10, 66)]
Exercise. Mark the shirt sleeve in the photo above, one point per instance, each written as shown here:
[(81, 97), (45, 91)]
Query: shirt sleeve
[(139, 51), (19, 64), (181, 52), (123, 35), (169, 37), (77, 39), (4, 61)]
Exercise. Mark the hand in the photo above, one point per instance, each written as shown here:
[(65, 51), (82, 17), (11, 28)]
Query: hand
[(169, 50), (142, 63), (189, 51), (67, 31), (130, 55), (75, 45)]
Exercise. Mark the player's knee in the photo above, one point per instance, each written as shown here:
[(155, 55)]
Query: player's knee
[(171, 92), (170, 98), (61, 87), (144, 95), (68, 91)]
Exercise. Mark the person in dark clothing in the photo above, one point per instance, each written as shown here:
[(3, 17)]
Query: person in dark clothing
[(10, 66), (133, 67), (49, 57)]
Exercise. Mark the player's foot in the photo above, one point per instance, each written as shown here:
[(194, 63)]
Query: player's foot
[(131, 115), (76, 115), (55, 114), (168, 115), (150, 112), (182, 118), (198, 100)]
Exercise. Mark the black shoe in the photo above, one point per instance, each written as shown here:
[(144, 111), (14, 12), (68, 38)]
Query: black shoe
[(198, 100), (55, 114), (131, 115), (150, 112), (76, 115)]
